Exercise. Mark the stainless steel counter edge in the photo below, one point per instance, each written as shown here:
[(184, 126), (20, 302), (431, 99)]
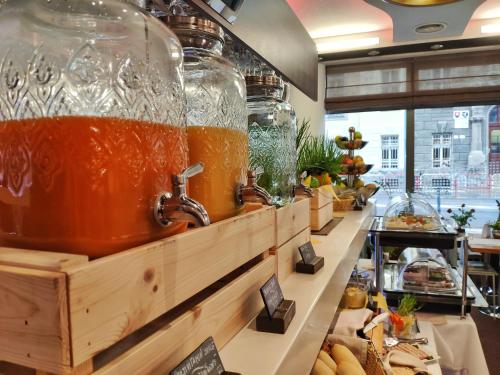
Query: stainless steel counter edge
[(317, 298)]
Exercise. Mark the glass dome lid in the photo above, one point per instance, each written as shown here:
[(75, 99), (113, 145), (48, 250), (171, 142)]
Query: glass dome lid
[(409, 213)]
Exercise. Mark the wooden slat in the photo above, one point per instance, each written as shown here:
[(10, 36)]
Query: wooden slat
[(287, 255), (116, 295), (222, 315), (42, 260), (321, 198), (291, 220), (321, 217), (33, 318)]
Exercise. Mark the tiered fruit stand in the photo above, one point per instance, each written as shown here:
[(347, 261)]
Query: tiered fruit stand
[(357, 167)]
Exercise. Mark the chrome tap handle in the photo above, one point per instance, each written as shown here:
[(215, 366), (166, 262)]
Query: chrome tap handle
[(252, 192), (192, 170), (178, 206)]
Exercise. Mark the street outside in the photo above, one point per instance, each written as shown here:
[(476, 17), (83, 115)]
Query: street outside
[(486, 208)]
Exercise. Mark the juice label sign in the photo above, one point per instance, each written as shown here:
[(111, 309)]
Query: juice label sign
[(205, 360), (272, 295)]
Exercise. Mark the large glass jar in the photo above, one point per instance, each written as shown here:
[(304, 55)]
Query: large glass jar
[(92, 125), (216, 115), (272, 131)]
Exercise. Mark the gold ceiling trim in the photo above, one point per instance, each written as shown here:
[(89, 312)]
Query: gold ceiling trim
[(422, 3)]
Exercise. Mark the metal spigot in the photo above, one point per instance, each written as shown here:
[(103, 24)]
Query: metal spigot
[(252, 193), (302, 189), (171, 208)]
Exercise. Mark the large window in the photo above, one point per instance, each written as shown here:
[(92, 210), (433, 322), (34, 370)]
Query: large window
[(385, 132), (455, 159), (390, 151), (441, 150)]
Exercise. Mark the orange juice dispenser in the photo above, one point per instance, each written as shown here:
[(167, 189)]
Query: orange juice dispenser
[(92, 128), (217, 117)]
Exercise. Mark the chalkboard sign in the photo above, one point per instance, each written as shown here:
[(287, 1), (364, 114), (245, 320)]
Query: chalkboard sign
[(205, 360), (272, 295), (307, 252)]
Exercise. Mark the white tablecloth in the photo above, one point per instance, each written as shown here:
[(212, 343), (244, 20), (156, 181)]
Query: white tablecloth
[(457, 343)]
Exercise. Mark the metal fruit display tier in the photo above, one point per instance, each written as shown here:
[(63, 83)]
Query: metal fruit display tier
[(353, 166)]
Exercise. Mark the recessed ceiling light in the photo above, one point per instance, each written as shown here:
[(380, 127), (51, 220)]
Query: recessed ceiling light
[(490, 28), (374, 53), (429, 28), (346, 44), (435, 47), (422, 3)]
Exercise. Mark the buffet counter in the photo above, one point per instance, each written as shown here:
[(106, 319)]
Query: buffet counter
[(317, 298)]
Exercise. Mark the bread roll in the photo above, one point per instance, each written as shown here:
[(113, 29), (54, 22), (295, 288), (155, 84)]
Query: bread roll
[(341, 353), (325, 357), (320, 368), (349, 368)]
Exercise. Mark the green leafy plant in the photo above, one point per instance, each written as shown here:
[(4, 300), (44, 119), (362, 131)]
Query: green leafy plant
[(462, 216), (407, 305), (303, 133), (319, 154), (495, 226)]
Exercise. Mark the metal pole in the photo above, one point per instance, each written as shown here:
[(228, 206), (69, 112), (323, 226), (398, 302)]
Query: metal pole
[(465, 266), (379, 265)]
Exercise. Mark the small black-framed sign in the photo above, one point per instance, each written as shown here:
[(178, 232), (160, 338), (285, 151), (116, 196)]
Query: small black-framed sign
[(205, 360), (272, 295), (307, 252)]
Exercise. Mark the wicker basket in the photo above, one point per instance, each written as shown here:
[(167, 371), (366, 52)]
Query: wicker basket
[(344, 204), (363, 350)]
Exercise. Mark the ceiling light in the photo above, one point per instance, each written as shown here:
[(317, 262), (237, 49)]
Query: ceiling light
[(430, 28), (346, 44), (344, 29), (490, 28), (422, 3)]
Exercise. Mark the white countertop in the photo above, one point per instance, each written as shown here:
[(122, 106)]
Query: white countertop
[(316, 297)]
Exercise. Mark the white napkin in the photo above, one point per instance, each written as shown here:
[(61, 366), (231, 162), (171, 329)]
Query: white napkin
[(347, 321), (399, 358)]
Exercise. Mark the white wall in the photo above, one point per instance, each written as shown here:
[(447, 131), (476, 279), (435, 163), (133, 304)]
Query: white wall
[(309, 109)]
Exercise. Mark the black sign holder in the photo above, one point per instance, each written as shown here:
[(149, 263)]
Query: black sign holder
[(310, 263), (204, 360), (278, 312)]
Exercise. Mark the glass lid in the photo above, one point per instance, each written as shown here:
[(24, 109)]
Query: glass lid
[(409, 213)]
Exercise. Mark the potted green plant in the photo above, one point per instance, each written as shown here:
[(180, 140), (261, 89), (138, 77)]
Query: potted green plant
[(319, 157), (462, 217), (403, 319), (495, 229)]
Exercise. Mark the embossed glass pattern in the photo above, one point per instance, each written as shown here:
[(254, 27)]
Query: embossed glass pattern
[(216, 116), (92, 124), (272, 132)]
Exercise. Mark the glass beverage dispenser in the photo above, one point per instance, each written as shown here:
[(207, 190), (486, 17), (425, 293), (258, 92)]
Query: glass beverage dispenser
[(272, 132), (216, 114), (92, 128)]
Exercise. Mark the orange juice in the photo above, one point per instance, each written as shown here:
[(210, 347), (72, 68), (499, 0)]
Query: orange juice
[(225, 155), (85, 185)]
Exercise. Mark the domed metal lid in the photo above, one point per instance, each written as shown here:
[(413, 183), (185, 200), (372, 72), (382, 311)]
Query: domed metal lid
[(264, 80), (182, 25)]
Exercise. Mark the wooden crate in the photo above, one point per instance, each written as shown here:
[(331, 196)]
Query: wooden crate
[(292, 230), (58, 311), (320, 198), (291, 220), (322, 216), (287, 255)]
